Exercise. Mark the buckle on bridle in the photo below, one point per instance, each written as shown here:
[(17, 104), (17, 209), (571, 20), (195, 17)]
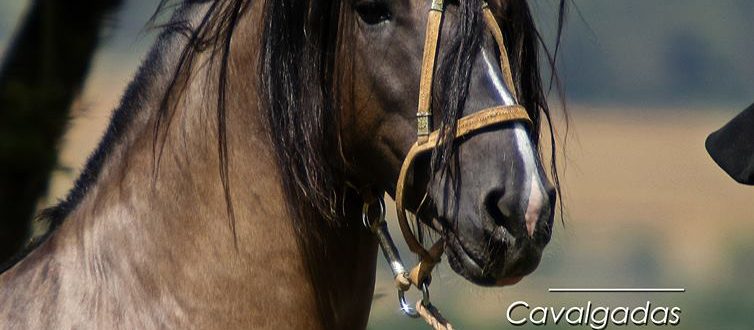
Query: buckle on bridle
[(437, 5), (423, 124)]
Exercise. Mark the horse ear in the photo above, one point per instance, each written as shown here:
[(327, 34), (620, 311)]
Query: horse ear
[(732, 147)]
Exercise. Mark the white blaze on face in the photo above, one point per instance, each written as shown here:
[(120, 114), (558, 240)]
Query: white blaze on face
[(536, 198), (533, 181)]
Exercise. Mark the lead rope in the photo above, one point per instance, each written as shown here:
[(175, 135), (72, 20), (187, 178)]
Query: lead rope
[(432, 316)]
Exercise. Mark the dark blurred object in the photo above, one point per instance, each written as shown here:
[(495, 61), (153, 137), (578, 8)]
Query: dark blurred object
[(42, 73), (732, 147)]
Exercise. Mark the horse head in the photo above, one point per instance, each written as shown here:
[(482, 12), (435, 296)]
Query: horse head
[(486, 193)]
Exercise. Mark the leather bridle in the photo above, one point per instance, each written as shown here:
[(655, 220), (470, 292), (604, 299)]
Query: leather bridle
[(426, 141)]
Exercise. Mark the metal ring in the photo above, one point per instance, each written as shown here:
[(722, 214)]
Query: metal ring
[(425, 295), (405, 307), (365, 213)]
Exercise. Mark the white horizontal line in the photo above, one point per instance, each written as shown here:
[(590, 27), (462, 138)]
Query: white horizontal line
[(617, 290)]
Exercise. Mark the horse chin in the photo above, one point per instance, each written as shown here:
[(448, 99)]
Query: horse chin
[(498, 271), (464, 265)]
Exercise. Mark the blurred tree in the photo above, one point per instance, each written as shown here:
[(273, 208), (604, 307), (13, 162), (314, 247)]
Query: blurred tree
[(40, 76)]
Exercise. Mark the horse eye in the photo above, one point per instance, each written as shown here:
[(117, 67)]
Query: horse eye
[(373, 13)]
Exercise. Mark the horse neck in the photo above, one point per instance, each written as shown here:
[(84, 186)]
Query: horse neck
[(161, 248)]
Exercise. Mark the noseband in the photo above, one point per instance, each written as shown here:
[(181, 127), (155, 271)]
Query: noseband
[(427, 140)]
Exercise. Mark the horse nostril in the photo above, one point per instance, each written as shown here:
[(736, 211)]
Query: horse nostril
[(503, 209)]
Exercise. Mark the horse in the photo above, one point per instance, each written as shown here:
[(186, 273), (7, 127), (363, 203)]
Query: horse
[(228, 189)]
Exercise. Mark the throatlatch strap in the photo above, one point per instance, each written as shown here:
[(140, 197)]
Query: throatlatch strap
[(424, 113), (466, 125)]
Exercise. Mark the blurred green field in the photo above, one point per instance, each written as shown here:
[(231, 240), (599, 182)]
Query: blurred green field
[(645, 205)]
